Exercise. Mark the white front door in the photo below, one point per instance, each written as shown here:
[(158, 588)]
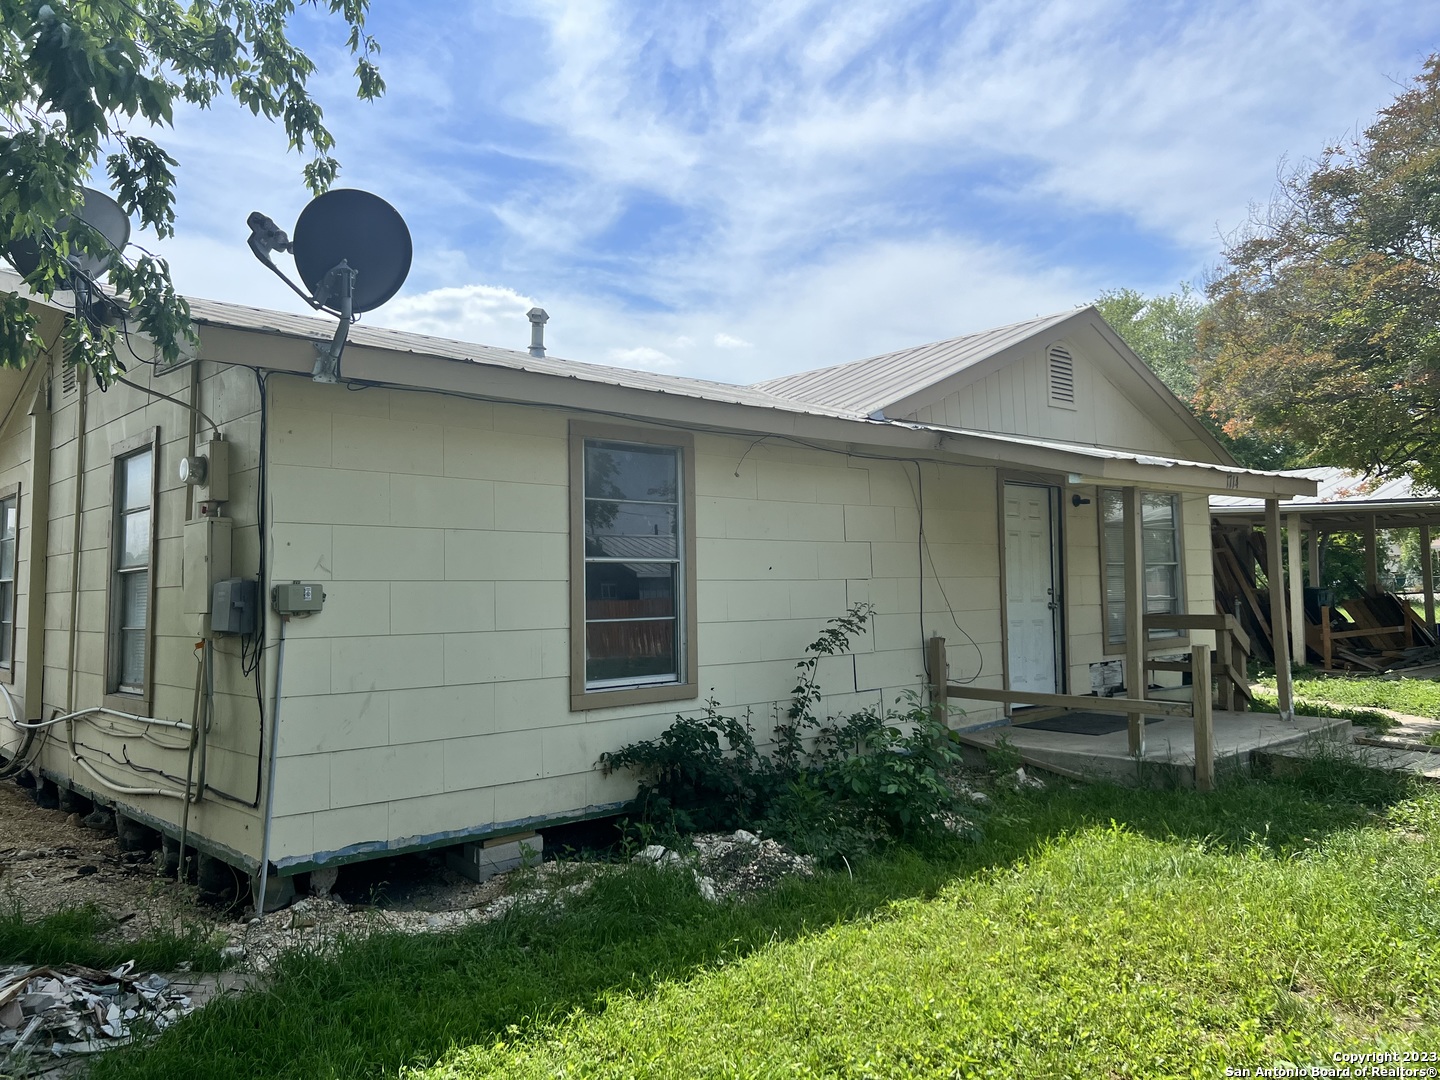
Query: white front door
[(1032, 588)]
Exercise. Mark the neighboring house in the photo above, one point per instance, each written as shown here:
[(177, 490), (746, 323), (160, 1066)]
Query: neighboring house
[(527, 562)]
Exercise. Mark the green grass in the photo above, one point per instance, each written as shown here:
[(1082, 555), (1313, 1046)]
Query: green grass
[(86, 936), (1367, 718), (1094, 931), (1414, 697)]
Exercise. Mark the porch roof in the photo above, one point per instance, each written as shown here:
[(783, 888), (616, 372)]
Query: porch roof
[(1343, 501)]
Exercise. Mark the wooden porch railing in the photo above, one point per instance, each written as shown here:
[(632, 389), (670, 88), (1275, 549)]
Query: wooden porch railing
[(1229, 667)]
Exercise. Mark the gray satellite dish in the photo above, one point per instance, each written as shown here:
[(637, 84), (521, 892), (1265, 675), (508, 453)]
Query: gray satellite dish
[(352, 251), (359, 229), (101, 213)]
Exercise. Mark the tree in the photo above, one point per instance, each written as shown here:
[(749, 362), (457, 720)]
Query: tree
[(1325, 320), (1164, 331), (86, 80), (1161, 330)]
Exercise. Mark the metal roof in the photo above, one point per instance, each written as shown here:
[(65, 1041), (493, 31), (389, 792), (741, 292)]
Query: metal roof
[(1343, 497), (1337, 485), (939, 359), (239, 317), (865, 386)]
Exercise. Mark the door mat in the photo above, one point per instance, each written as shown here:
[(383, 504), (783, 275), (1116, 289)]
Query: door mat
[(1082, 723)]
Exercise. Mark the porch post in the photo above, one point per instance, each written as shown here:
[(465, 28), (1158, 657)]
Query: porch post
[(1279, 638), (1204, 718), (1297, 590), (1372, 556), (1427, 577), (1136, 677), (1314, 557)]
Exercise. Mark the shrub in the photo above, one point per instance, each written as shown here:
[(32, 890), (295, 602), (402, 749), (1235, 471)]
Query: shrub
[(829, 786)]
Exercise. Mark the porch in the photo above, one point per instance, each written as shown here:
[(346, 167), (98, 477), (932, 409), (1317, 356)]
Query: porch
[(1176, 735), (1170, 746)]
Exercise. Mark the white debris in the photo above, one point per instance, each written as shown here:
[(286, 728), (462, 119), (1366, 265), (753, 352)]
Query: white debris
[(659, 855), (78, 1010), (1024, 781)]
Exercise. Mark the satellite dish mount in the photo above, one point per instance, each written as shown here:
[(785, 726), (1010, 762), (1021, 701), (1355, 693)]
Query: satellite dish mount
[(352, 252)]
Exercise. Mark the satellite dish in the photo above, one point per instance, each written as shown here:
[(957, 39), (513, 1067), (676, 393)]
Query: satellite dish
[(357, 228), (101, 213)]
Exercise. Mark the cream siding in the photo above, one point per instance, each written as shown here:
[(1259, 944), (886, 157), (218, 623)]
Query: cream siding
[(442, 698), (1015, 400), (230, 397)]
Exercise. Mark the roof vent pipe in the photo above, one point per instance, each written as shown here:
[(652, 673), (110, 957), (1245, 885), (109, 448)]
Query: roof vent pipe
[(538, 319)]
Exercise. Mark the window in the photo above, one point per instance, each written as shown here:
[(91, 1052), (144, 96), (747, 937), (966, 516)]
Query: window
[(632, 572), (132, 545), (9, 531), (1160, 547)]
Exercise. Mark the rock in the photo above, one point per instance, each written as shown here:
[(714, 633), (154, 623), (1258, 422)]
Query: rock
[(233, 952), (654, 853), (743, 837), (707, 888), (1024, 781), (100, 820), (75, 821), (979, 798), (322, 881)]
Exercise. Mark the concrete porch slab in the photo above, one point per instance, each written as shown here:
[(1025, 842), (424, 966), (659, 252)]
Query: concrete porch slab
[(1169, 746)]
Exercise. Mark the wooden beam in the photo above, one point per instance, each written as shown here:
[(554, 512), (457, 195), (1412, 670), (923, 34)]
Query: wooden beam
[(1372, 555), (1297, 589), (1134, 613), (1313, 557), (1280, 639), (938, 669), (1073, 701), (1427, 577), (1204, 720), (1220, 623)]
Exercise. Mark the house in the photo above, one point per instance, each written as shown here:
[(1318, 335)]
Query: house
[(495, 567)]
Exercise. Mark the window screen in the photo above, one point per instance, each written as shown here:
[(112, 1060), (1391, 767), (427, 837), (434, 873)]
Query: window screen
[(633, 564), (130, 596)]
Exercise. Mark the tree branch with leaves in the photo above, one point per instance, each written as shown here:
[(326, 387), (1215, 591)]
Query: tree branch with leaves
[(1324, 326), (89, 82)]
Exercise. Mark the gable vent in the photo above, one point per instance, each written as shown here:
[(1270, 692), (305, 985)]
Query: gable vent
[(1062, 376), (68, 373)]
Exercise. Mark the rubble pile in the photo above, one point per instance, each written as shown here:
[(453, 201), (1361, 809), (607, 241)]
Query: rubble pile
[(55, 1011), (732, 864)]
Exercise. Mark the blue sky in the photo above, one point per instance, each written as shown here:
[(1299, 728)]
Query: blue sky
[(736, 190)]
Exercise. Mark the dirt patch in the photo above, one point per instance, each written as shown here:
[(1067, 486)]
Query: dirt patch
[(49, 862)]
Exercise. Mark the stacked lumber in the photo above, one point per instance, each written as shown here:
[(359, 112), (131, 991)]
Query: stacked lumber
[(1376, 632)]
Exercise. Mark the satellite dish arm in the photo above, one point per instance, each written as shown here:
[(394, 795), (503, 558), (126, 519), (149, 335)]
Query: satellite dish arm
[(265, 237), (340, 280)]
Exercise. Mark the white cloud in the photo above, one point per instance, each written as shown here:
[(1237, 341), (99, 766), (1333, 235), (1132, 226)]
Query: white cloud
[(831, 180), (487, 314)]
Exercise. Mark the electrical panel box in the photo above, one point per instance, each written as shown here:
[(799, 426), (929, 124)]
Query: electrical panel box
[(233, 607), (207, 560), (216, 485), (297, 598)]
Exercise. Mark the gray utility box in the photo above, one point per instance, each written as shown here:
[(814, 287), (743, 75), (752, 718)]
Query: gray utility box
[(297, 598), (232, 610)]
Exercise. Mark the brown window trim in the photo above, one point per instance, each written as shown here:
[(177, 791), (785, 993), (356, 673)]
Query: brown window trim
[(122, 700), (1168, 642), (7, 668), (688, 688)]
